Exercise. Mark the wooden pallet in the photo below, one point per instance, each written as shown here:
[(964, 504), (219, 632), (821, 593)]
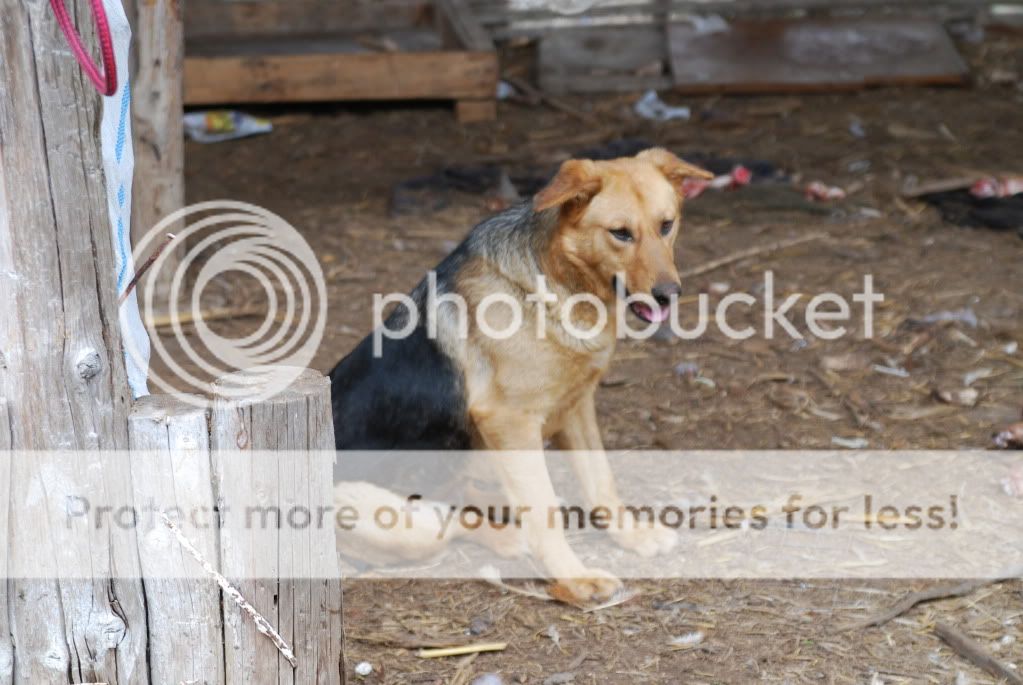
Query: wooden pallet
[(512, 18), (323, 50), (814, 55)]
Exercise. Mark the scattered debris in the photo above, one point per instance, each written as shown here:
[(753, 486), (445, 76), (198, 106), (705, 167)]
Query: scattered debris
[(433, 192), (845, 362), (850, 443), (896, 371), (553, 633), (480, 626), (493, 576), (216, 126), (687, 640), (962, 207), (965, 315), (971, 377), (462, 651), (1010, 438), (653, 108), (856, 129), (363, 669), (687, 369), (822, 192), (997, 187), (738, 177), (940, 592), (1011, 347), (964, 397)]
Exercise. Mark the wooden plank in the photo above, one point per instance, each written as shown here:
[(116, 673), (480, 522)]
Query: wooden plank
[(6, 646), (265, 17), (306, 611), (814, 54), (158, 189), (493, 12), (620, 58), (63, 373), (324, 77), (170, 467)]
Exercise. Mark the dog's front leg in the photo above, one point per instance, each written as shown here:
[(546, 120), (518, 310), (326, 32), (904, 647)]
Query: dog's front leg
[(580, 435), (527, 483)]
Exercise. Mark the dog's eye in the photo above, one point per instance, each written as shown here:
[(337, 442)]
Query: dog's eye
[(667, 226), (622, 234)]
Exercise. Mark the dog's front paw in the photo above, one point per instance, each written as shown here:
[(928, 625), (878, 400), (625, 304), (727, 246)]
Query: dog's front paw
[(595, 587), (646, 540)]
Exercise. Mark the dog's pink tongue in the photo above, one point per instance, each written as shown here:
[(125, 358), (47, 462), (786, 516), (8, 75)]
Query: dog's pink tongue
[(653, 315)]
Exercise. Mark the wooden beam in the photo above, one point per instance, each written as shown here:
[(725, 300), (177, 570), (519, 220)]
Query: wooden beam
[(170, 467), (157, 104), (325, 77), (279, 572), (205, 18), (63, 374)]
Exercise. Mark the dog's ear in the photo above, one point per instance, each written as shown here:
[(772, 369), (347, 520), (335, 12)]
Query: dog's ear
[(674, 169), (577, 180)]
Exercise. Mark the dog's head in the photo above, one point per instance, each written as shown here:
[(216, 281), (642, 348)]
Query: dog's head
[(620, 216)]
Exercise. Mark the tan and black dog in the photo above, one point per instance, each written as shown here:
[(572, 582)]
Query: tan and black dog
[(462, 389)]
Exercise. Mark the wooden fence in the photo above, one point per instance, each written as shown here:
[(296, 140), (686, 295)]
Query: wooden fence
[(63, 386)]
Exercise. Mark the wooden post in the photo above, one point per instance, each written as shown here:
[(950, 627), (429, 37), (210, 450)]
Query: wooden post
[(6, 647), (158, 63), (458, 28), (170, 465), (63, 372), (307, 612)]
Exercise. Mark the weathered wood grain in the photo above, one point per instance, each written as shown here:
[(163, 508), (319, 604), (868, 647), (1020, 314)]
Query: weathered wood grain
[(217, 18), (335, 76), (302, 603), (170, 468), (6, 647), (158, 57), (63, 371)]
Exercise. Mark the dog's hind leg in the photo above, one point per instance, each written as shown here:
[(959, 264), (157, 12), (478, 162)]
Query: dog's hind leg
[(378, 526)]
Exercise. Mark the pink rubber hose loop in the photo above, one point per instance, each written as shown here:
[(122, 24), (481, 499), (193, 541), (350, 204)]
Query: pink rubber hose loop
[(106, 82)]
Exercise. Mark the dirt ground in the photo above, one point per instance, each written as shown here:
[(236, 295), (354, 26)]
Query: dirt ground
[(330, 171)]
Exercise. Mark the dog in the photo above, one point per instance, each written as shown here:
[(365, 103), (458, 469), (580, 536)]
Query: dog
[(594, 225)]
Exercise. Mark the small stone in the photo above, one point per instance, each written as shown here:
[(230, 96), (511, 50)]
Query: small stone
[(363, 669), (487, 679), (479, 625)]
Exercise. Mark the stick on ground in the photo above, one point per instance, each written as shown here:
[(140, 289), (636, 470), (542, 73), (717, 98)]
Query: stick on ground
[(941, 592), (750, 252), (975, 654)]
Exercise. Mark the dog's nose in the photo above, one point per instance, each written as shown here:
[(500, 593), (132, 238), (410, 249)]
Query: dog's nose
[(663, 292)]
